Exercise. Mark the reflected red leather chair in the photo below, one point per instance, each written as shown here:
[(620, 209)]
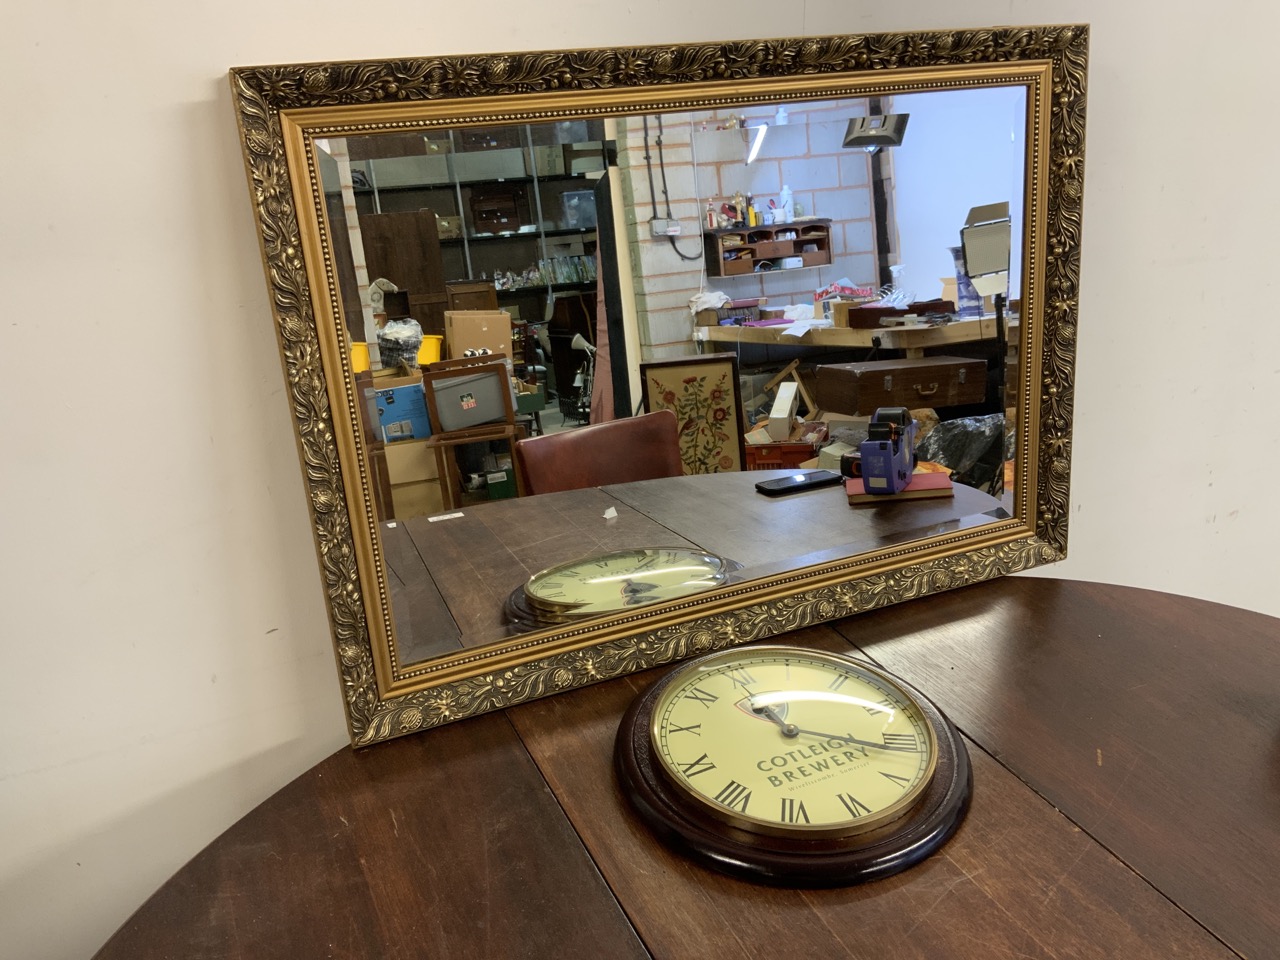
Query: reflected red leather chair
[(618, 451)]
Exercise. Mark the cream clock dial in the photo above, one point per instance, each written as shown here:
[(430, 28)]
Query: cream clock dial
[(611, 582), (793, 766), (780, 742)]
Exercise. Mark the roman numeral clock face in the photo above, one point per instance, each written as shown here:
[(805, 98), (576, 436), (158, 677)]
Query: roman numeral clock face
[(777, 743), (794, 766), (616, 582)]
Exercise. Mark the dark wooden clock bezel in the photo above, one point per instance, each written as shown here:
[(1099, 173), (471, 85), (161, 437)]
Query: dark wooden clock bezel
[(520, 613), (678, 820)]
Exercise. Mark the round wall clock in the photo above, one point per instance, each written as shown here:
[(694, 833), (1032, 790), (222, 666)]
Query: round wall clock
[(613, 582), (793, 766)]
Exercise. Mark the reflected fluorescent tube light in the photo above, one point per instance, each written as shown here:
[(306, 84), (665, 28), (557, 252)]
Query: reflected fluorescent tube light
[(757, 141)]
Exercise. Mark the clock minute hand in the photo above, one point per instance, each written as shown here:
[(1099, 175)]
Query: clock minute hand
[(791, 730), (854, 740)]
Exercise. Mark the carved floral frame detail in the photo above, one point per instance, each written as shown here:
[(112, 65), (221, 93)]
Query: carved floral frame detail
[(260, 94)]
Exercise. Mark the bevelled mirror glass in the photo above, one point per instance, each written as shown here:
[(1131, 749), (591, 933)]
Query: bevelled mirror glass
[(709, 229)]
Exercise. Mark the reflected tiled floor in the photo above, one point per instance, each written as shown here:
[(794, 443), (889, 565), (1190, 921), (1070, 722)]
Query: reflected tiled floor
[(553, 421)]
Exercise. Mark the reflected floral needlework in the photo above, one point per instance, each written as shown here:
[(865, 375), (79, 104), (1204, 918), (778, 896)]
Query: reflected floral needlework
[(704, 394)]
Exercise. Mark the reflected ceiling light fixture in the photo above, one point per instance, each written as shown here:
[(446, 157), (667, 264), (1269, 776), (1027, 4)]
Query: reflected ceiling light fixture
[(872, 133), (757, 141)]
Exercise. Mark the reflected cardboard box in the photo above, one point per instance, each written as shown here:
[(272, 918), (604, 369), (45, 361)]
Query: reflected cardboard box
[(829, 456), (477, 330), (500, 164), (410, 171), (416, 499), (448, 228), (413, 473), (782, 415), (545, 161), (530, 398)]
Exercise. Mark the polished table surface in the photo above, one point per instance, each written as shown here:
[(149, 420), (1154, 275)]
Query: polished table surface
[(449, 574), (1126, 754)]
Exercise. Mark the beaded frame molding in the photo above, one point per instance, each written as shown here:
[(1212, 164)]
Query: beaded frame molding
[(281, 110)]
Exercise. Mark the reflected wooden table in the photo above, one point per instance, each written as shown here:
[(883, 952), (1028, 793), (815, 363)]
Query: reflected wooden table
[(450, 574), (1126, 752)]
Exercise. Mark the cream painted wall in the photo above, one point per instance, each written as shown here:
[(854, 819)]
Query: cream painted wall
[(166, 660)]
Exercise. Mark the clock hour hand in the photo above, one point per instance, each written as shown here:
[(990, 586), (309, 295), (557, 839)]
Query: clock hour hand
[(635, 593), (788, 729)]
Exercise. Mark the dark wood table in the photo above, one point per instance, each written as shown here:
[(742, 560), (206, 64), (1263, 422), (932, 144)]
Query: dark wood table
[(1126, 753), (450, 574)]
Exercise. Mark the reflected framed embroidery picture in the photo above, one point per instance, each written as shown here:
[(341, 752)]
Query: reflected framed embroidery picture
[(704, 394)]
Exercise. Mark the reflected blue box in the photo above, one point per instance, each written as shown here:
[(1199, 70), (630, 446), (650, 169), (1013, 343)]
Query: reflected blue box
[(402, 412)]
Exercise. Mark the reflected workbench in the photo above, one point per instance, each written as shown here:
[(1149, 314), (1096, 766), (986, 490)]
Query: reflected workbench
[(912, 339)]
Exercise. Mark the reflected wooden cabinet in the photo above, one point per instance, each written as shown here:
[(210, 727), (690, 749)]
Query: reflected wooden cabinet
[(734, 251), (403, 247), (471, 295)]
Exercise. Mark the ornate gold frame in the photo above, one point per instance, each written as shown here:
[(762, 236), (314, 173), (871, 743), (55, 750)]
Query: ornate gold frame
[(282, 110)]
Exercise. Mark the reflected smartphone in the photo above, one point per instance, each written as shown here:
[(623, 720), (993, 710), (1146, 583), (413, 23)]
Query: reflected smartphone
[(809, 480)]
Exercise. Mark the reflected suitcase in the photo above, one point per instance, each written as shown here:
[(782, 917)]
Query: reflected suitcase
[(858, 389)]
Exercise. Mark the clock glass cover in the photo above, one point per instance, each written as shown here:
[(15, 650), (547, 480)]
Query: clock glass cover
[(611, 582), (786, 741)]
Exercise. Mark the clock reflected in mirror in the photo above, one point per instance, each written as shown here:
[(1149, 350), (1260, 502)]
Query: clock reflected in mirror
[(615, 582), (793, 767)]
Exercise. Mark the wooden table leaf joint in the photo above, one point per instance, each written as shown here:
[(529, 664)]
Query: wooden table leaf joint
[(1126, 766)]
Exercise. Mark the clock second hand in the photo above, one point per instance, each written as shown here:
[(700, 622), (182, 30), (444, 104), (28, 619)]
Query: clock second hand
[(790, 730)]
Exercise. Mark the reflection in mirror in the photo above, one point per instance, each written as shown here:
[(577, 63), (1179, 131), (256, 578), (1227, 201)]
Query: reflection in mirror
[(595, 203), (734, 220)]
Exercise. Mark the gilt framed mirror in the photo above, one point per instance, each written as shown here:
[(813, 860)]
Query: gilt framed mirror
[(666, 193)]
